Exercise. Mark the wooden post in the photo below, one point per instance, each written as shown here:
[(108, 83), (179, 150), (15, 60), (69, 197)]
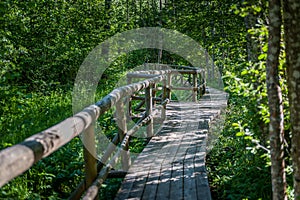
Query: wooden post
[(199, 84), (164, 97), (181, 78), (154, 95), (195, 87), (203, 82), (128, 99), (169, 82), (148, 100), (122, 130), (89, 152)]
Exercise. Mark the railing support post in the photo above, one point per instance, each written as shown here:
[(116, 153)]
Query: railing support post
[(89, 152), (148, 100), (169, 82), (195, 88), (128, 100), (164, 97), (154, 94), (122, 130)]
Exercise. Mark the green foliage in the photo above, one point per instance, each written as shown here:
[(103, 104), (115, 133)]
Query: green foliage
[(109, 188), (53, 177), (246, 130), (28, 113), (44, 42), (238, 165)]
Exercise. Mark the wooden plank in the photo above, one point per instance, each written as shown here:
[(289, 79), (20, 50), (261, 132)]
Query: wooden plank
[(189, 173), (141, 169), (161, 156), (153, 178), (177, 183), (176, 157), (176, 188), (134, 181), (202, 187), (177, 179), (164, 186)]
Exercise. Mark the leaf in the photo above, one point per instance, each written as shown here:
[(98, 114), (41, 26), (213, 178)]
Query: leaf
[(240, 134), (248, 137), (256, 8), (244, 72), (262, 56), (235, 125)]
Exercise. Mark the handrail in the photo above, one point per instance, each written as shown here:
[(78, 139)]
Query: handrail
[(18, 158)]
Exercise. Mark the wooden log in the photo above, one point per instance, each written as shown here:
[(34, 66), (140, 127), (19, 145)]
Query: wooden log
[(184, 88), (77, 193), (153, 94), (182, 67), (148, 102), (122, 129), (116, 174), (165, 102), (110, 100), (128, 99), (169, 82), (183, 71), (17, 159), (89, 152), (164, 97), (157, 89), (153, 72), (109, 150), (195, 87), (144, 74), (143, 98), (92, 191), (80, 189), (139, 105), (138, 75), (144, 120)]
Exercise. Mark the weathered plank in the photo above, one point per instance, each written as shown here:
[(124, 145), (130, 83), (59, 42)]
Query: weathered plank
[(172, 166), (163, 189)]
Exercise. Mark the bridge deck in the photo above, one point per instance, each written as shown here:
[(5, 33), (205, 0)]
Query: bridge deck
[(172, 165)]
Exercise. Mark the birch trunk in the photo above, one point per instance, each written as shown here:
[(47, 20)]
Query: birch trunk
[(276, 130), (292, 40)]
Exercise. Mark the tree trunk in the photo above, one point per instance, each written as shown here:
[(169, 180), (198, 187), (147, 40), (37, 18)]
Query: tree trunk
[(276, 130), (292, 40), (105, 48)]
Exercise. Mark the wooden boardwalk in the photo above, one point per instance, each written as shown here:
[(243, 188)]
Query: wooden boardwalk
[(172, 165)]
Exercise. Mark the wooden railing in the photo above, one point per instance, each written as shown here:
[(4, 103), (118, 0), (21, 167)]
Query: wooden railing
[(156, 90)]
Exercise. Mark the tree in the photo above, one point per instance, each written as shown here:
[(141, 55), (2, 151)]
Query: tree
[(276, 128), (292, 41)]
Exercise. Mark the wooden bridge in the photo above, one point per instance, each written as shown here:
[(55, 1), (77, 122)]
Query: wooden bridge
[(174, 107)]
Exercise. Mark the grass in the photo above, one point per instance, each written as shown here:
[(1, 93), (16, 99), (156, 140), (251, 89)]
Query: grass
[(56, 176), (235, 169)]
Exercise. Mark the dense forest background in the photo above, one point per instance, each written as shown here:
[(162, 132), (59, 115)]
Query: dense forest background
[(44, 42)]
